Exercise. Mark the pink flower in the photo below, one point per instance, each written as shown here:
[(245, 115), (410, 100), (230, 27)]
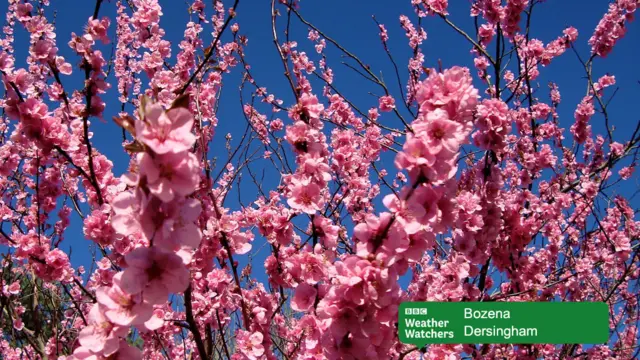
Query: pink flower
[(251, 344), (416, 36), (373, 114), (59, 267), (415, 153), (317, 168), (511, 16), (125, 352), (126, 208), (305, 196), (626, 172), (122, 308), (166, 131), (43, 50), (12, 289), (438, 6), (407, 212), (137, 212), (617, 149), (276, 125), (100, 336), (382, 232), (304, 297), (308, 109), (486, 33), (493, 125), (440, 132), (418, 245), (6, 62), (172, 225), (571, 33), (170, 174), (98, 29), (384, 36), (155, 273), (451, 91), (387, 103), (326, 231), (23, 11), (57, 259)]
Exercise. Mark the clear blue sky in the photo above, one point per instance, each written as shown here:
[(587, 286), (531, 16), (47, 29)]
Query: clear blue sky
[(350, 22)]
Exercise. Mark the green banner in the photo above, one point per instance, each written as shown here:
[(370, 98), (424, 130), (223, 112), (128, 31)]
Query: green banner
[(422, 323)]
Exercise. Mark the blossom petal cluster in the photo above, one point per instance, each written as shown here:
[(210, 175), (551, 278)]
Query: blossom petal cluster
[(157, 208)]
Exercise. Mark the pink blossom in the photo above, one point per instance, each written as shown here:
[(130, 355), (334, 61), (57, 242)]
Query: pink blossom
[(250, 344), (304, 297), (382, 232), (384, 36), (44, 50), (121, 308), (124, 352), (617, 149), (98, 29), (101, 336), (155, 273), (612, 27), (437, 6), (308, 107), (451, 91), (440, 133), (276, 125), (170, 174), (171, 225), (571, 33), (305, 196), (416, 36), (326, 231), (626, 172), (387, 103), (126, 206), (486, 33), (407, 212), (166, 131), (493, 125), (11, 289), (415, 153)]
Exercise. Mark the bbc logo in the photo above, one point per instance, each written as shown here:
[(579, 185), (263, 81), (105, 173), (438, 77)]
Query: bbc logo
[(415, 311)]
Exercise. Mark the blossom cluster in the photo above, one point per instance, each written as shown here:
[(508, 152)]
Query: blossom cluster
[(360, 306), (158, 212)]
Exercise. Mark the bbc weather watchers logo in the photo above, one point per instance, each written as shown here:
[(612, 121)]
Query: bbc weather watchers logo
[(415, 311)]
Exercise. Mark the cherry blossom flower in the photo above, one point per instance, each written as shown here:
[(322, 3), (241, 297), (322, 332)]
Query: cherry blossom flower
[(155, 273), (124, 352), (304, 298), (170, 174), (305, 196), (101, 336), (387, 103), (166, 131), (121, 308), (250, 344)]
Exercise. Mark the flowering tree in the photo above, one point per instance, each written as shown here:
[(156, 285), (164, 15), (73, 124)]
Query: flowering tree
[(456, 185)]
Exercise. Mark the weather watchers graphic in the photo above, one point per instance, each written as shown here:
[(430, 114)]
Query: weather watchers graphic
[(423, 323)]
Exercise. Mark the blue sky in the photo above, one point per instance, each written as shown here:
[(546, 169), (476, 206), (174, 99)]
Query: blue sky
[(351, 24)]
